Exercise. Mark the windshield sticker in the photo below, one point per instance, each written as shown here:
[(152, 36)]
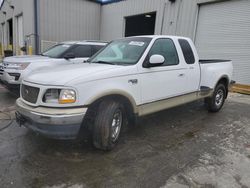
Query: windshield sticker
[(136, 43)]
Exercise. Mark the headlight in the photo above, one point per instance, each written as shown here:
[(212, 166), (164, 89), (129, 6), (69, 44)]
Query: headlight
[(51, 96), (18, 66), (67, 96), (61, 96)]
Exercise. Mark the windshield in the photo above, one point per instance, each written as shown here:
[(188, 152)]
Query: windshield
[(57, 51), (122, 52)]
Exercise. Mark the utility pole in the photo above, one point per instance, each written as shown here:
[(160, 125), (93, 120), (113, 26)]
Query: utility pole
[(36, 24)]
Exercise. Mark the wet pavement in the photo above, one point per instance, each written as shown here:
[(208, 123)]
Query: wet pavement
[(180, 147)]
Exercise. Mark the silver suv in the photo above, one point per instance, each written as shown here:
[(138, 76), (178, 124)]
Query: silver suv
[(15, 68)]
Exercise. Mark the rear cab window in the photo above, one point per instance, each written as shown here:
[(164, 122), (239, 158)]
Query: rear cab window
[(187, 51)]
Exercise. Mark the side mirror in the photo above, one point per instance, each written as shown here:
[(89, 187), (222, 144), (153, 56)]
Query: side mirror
[(69, 56), (156, 60)]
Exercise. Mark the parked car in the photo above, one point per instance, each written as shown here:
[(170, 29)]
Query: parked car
[(129, 78), (17, 67)]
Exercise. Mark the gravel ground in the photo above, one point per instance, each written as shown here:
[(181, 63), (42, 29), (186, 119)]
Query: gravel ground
[(180, 147)]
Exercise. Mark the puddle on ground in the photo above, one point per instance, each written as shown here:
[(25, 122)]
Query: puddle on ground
[(5, 120), (191, 134)]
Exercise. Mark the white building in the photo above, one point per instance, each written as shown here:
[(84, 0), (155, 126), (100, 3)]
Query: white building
[(219, 28)]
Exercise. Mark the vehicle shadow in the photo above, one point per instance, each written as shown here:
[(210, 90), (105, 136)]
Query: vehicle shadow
[(7, 98)]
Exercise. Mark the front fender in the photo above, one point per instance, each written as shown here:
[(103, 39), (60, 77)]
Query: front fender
[(92, 91), (114, 92)]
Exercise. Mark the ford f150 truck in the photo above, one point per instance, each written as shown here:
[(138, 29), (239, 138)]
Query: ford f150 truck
[(129, 78), (14, 69)]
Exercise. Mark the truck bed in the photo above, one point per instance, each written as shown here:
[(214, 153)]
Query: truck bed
[(204, 61), (212, 70)]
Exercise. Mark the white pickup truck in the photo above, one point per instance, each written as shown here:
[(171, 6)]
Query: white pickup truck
[(130, 77), (15, 68)]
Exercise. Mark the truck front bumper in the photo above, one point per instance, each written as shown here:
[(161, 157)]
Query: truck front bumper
[(56, 123)]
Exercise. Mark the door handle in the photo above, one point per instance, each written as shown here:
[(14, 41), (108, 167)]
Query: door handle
[(181, 75), (191, 67)]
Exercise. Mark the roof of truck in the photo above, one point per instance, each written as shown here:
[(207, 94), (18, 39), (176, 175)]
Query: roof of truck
[(160, 36), (90, 42)]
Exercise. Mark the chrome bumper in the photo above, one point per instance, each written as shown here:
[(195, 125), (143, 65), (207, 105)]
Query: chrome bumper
[(58, 123)]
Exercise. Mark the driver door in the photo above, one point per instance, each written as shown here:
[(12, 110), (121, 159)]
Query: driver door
[(164, 81)]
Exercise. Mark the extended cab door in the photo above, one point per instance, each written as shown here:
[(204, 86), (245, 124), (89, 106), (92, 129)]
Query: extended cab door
[(190, 57), (165, 81)]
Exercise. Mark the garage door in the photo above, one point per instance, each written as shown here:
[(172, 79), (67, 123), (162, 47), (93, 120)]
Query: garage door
[(223, 31)]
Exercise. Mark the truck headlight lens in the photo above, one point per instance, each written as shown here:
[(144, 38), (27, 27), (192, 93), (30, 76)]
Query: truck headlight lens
[(67, 96), (51, 96), (61, 96)]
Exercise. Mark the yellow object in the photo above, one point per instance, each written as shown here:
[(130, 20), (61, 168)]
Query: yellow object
[(66, 101), (240, 88), (10, 47), (30, 50), (19, 50)]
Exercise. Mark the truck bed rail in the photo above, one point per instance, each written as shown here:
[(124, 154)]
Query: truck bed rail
[(204, 61)]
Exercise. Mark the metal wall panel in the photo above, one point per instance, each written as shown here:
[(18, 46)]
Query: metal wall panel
[(223, 31), (69, 20), (24, 7), (112, 16), (186, 21), (171, 19)]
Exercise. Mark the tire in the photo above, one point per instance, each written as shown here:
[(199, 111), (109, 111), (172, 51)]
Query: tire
[(216, 102), (108, 124)]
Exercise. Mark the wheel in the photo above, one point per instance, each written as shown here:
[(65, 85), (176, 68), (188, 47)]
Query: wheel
[(216, 102), (108, 124)]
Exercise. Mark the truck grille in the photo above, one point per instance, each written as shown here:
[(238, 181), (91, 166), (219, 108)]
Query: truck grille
[(29, 93), (1, 69)]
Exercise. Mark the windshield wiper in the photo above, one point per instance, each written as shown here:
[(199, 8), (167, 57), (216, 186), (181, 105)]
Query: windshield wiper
[(43, 55), (104, 62), (86, 61)]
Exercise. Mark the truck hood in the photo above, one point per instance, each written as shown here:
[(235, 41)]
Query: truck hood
[(26, 59), (60, 76)]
